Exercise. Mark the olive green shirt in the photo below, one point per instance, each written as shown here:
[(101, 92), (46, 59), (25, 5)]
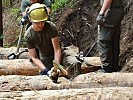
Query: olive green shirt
[(42, 39), (26, 3)]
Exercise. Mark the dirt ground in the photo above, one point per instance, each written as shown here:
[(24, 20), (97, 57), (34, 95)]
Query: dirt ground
[(77, 27)]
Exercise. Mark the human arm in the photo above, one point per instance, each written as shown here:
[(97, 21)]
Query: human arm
[(100, 18), (57, 49), (48, 4), (105, 6), (24, 5), (36, 61)]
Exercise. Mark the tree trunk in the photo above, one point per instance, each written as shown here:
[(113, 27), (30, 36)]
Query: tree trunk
[(111, 93), (1, 25), (4, 52), (92, 80), (18, 67), (25, 67), (103, 80)]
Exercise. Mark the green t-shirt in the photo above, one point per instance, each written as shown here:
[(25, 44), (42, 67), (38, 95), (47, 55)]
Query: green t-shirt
[(26, 3), (42, 39)]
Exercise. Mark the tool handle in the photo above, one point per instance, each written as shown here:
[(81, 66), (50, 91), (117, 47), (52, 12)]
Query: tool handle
[(19, 40), (60, 67)]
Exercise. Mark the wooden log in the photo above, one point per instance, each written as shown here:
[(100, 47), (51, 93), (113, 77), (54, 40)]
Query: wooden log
[(25, 67), (92, 61), (103, 80), (4, 52), (23, 83), (108, 93), (18, 67), (91, 80)]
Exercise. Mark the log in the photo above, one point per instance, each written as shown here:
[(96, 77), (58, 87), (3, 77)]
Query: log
[(18, 67), (23, 83), (103, 80), (25, 67), (90, 80), (4, 52), (107, 93)]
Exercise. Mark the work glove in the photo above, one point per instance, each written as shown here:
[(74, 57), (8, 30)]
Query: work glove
[(100, 19), (24, 20), (45, 71)]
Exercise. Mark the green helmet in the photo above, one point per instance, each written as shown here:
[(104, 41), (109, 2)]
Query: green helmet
[(38, 12)]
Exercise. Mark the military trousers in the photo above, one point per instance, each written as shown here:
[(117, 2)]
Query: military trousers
[(109, 47)]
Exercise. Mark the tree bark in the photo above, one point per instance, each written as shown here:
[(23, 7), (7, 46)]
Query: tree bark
[(111, 93), (92, 80), (1, 25)]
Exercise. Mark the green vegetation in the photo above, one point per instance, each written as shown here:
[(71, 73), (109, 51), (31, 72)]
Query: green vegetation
[(62, 3), (59, 4), (14, 10)]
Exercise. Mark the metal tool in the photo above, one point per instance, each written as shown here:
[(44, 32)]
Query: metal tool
[(17, 53)]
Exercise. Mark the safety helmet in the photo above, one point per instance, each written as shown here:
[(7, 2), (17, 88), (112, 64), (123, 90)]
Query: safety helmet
[(38, 12)]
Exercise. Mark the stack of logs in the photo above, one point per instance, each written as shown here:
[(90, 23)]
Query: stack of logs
[(20, 80)]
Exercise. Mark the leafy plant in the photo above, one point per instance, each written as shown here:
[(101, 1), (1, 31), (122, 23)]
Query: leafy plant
[(14, 10), (61, 3)]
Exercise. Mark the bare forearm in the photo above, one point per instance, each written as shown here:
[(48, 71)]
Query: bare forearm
[(38, 63), (58, 55), (105, 6)]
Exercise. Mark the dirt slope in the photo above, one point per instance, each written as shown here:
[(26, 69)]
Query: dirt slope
[(80, 22)]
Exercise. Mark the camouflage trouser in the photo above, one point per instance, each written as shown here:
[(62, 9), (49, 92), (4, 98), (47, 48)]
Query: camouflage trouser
[(108, 46)]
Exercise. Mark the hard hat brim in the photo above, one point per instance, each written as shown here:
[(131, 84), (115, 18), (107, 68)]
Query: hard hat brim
[(39, 20)]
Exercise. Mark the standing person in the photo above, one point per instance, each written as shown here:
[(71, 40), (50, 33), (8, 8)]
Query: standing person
[(43, 35), (25, 4), (28, 3), (109, 20)]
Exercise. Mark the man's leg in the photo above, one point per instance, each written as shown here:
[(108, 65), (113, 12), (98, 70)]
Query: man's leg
[(116, 47), (104, 43)]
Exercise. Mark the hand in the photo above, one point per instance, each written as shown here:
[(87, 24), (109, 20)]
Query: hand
[(54, 75), (44, 72), (100, 19), (24, 20)]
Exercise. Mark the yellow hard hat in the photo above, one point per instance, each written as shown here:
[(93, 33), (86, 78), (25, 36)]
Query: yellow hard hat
[(38, 12)]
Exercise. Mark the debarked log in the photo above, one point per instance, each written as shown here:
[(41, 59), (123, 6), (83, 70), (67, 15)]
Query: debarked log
[(91, 80), (4, 52), (108, 93), (25, 67), (97, 79), (23, 83), (18, 67)]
